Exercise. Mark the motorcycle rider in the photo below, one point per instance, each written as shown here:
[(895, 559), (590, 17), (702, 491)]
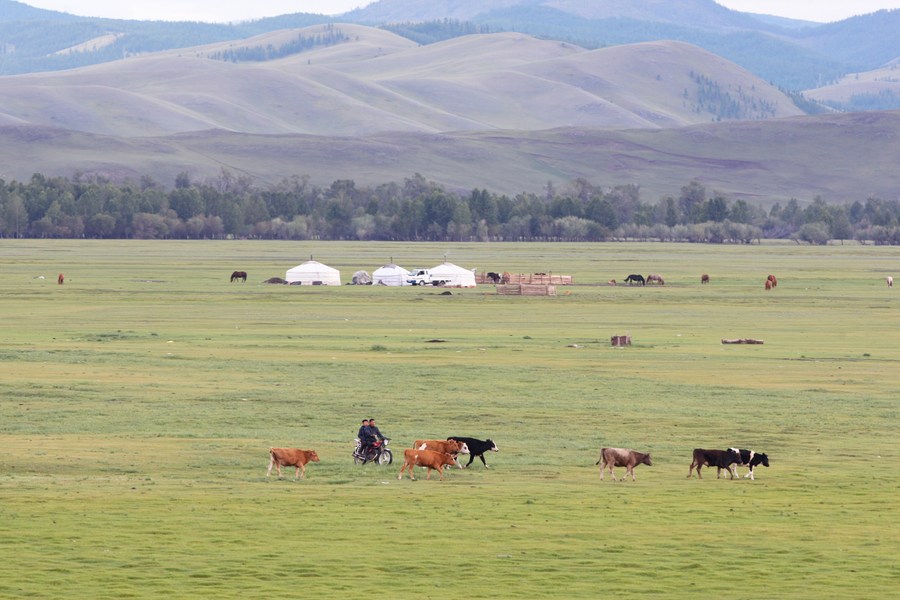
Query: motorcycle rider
[(372, 434)]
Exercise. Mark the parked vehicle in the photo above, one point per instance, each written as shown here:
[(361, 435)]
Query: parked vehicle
[(423, 277)]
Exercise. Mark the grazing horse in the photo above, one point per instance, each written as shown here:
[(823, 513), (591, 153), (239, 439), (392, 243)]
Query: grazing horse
[(242, 275), (61, 279), (704, 278), (494, 277), (772, 280), (890, 281), (634, 278), (655, 278)]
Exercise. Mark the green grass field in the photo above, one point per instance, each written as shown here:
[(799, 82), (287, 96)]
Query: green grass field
[(138, 402)]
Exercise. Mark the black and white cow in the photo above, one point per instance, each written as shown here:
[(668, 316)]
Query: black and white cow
[(720, 459), (477, 448), (750, 459)]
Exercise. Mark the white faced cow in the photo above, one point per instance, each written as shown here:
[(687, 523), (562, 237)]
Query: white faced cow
[(750, 459)]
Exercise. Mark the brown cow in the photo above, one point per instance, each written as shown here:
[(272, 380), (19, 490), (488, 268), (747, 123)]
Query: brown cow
[(621, 457), (451, 447), (704, 278), (291, 457), (771, 278), (768, 284), (429, 459), (61, 279)]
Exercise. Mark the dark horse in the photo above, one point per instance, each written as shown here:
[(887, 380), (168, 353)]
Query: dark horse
[(242, 275), (634, 278)]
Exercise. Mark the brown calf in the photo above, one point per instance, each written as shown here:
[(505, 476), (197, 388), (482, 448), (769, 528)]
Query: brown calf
[(429, 459), (451, 447), (621, 457), (291, 457)]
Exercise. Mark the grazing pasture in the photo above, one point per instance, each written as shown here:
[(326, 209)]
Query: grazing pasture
[(138, 403)]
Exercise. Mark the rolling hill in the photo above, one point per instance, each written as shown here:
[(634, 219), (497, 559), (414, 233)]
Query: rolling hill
[(876, 89), (374, 81)]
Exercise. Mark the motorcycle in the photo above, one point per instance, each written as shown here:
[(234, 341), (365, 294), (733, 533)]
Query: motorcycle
[(377, 453)]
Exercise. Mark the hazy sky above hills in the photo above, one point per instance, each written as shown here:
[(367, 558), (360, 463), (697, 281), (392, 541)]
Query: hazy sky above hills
[(234, 10)]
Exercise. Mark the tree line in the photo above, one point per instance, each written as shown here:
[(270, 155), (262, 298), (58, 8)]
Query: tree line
[(417, 209)]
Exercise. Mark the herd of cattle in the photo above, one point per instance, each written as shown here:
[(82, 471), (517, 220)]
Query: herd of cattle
[(434, 455), (633, 279)]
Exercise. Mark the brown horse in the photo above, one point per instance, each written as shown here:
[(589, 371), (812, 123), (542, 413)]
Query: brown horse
[(768, 284), (655, 278), (704, 278), (61, 279), (771, 279), (242, 275)]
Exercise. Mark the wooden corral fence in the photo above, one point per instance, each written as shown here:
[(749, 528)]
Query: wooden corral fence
[(525, 289), (527, 278)]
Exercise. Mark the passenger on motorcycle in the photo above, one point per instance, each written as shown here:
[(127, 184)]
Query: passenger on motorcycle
[(361, 437)]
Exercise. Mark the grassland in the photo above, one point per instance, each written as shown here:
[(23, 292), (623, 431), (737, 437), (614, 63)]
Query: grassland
[(138, 400)]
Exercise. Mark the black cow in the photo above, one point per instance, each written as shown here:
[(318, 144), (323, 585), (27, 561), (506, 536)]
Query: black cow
[(494, 277), (635, 278), (720, 459), (749, 458), (477, 448)]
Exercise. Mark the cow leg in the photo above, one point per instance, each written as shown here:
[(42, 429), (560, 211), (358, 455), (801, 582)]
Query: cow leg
[(440, 471), (428, 476), (271, 464), (602, 469), (750, 475), (612, 471), (629, 470), (472, 458)]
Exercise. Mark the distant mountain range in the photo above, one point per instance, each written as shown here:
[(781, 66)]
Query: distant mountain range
[(793, 55), (467, 103)]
